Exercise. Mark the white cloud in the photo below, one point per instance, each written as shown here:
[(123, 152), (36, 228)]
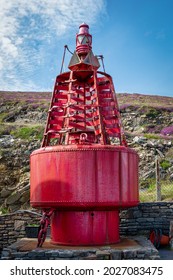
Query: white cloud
[(27, 28), (8, 47)]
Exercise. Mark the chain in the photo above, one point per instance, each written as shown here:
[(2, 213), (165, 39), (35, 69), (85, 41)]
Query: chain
[(44, 223)]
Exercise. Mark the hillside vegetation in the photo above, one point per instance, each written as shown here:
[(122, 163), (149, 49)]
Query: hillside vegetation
[(148, 125)]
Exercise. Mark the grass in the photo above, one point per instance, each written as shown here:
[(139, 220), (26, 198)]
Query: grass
[(149, 194), (152, 136), (3, 115), (28, 132), (3, 210)]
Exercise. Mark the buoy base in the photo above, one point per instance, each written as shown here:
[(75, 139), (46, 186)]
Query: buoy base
[(85, 227)]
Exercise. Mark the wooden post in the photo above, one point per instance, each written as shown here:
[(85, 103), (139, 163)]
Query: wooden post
[(158, 187)]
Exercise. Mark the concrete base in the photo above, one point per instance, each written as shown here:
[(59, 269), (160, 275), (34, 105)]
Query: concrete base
[(132, 248)]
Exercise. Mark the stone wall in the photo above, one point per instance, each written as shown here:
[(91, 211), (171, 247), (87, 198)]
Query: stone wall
[(133, 221), (131, 248), (12, 226), (145, 217)]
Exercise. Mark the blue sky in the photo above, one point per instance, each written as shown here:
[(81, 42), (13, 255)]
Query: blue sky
[(134, 36)]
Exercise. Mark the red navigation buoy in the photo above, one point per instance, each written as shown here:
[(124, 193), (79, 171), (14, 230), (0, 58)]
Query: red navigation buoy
[(84, 172)]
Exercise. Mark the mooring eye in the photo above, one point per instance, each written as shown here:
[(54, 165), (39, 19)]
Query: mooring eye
[(83, 136)]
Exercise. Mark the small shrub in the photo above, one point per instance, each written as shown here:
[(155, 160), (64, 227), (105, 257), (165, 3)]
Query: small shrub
[(3, 210), (152, 113), (165, 164), (148, 184)]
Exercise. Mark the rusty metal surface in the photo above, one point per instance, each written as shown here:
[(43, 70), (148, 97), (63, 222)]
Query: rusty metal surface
[(85, 227), (84, 178), (87, 106)]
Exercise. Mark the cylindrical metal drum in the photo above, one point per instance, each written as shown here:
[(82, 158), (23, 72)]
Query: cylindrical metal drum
[(86, 185), (85, 227), (81, 177)]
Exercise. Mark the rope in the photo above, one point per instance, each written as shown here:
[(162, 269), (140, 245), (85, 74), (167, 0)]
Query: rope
[(68, 49)]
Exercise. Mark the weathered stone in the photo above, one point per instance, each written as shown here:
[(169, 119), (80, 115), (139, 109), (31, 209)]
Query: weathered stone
[(19, 224), (25, 196), (103, 255), (66, 254), (116, 255), (149, 174), (4, 193), (139, 139), (141, 256), (91, 257), (6, 253), (13, 198), (137, 214), (129, 255), (19, 255)]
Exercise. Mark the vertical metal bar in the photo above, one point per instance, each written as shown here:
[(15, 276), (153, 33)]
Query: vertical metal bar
[(103, 135), (45, 141), (84, 102), (158, 187), (66, 125), (122, 135)]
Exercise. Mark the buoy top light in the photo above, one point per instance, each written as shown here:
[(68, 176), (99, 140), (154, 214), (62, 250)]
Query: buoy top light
[(83, 39)]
